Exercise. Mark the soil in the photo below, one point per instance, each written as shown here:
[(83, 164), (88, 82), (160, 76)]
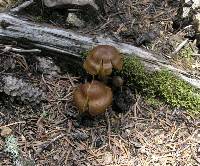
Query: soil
[(39, 111)]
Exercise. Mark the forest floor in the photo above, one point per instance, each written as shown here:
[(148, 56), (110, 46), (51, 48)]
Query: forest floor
[(51, 132)]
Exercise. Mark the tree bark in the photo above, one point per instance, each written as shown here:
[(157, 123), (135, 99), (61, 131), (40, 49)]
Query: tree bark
[(71, 44)]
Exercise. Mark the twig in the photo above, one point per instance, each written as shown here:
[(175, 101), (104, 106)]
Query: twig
[(43, 79), (198, 55), (46, 144), (180, 46), (194, 155), (2, 114), (22, 6), (11, 124), (70, 79), (108, 122), (67, 156), (21, 60), (9, 48)]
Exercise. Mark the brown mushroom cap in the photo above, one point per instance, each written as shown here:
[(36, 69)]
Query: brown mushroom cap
[(93, 97), (101, 59)]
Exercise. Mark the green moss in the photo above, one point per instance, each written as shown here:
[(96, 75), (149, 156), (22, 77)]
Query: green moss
[(186, 52), (84, 54), (161, 84), (39, 18), (154, 102)]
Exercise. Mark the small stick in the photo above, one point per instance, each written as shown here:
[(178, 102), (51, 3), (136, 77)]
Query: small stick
[(8, 49), (67, 156), (180, 46), (109, 130), (70, 79), (11, 124), (198, 55), (46, 144), (22, 6)]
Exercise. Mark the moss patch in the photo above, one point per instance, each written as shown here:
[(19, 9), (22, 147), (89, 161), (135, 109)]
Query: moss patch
[(154, 102), (185, 57), (161, 84)]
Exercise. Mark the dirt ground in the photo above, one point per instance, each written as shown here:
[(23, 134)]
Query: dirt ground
[(50, 132)]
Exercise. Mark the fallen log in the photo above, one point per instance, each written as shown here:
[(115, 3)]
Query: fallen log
[(72, 45)]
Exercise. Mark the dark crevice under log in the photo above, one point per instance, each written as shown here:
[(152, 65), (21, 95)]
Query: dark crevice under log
[(71, 44)]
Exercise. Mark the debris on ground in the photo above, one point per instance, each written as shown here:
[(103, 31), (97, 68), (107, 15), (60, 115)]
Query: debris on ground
[(39, 123)]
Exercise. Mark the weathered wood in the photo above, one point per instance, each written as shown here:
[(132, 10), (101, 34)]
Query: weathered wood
[(56, 3), (72, 44)]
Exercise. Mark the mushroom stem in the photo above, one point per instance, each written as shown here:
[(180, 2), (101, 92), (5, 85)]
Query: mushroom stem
[(104, 79)]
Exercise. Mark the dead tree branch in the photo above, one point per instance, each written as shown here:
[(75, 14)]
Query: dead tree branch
[(71, 44)]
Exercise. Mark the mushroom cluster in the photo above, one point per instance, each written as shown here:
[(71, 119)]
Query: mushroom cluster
[(95, 97)]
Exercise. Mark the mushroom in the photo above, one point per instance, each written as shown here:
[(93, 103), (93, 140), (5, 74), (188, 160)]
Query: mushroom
[(93, 97), (101, 59)]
